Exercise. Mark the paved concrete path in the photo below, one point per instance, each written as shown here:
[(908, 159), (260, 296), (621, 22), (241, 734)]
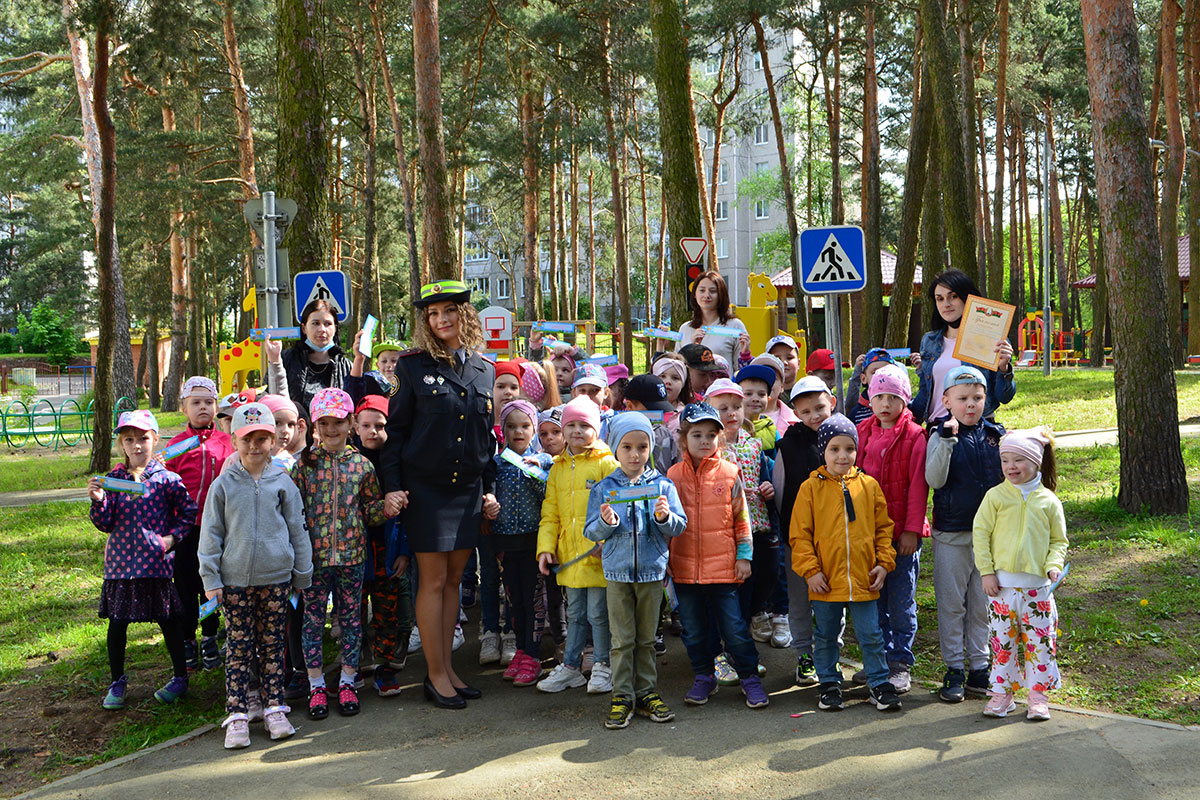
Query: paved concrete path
[(37, 498), (519, 743)]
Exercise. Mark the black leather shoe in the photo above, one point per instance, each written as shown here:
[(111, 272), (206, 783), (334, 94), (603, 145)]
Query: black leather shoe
[(468, 692), (431, 694)]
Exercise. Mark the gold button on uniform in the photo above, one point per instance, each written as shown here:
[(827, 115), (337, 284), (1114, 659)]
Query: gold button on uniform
[(460, 416), (460, 438)]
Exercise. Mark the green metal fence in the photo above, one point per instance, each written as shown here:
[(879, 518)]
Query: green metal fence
[(43, 425)]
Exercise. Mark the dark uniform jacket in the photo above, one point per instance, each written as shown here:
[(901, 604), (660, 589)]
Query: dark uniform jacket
[(439, 429)]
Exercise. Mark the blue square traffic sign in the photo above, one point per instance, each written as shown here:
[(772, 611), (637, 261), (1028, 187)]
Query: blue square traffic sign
[(833, 260), (331, 285)]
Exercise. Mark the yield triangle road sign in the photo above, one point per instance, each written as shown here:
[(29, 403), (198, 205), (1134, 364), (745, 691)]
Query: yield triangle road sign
[(693, 248), (832, 260)]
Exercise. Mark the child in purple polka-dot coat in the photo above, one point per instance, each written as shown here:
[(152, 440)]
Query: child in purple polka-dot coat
[(143, 530)]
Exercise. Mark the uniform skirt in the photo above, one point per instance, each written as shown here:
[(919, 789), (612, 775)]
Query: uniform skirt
[(440, 518)]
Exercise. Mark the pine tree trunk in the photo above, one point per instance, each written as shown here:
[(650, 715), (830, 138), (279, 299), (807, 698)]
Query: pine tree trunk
[(427, 79), (985, 219), (1191, 71), (592, 238), (1016, 264), (873, 318), (966, 80), (956, 189), (574, 215), (555, 311), (531, 136), (1175, 155), (677, 138), (302, 172), (153, 368), (662, 263), (900, 310), (933, 226), (1027, 222), (364, 68), (620, 251), (1056, 228), (181, 289), (996, 270), (1152, 473), (1099, 294)]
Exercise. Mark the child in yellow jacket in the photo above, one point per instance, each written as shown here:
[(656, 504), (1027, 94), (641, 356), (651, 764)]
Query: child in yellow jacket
[(585, 462), (1020, 543), (841, 540)]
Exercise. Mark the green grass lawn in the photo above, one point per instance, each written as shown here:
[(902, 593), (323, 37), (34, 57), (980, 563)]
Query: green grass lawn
[(1081, 399)]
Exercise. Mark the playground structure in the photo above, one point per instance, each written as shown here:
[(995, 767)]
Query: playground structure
[(1065, 346), (235, 361), (47, 426), (761, 317)]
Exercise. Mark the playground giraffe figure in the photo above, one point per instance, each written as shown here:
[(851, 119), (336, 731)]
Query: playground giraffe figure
[(236, 360)]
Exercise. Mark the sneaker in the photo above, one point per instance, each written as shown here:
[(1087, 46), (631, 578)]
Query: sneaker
[(831, 697), (726, 675), (654, 709), (619, 712), (254, 707), (781, 634), (237, 732), (660, 645), (1037, 706), (115, 699), (297, 686), (347, 700), (470, 596), (514, 666), (561, 677), (191, 654), (952, 690), (806, 670), (414, 641), (508, 648), (459, 638), (674, 626), (587, 659), (1000, 705), (462, 616), (398, 661), (859, 678), (489, 647), (756, 695), (318, 703), (528, 671), (979, 681), (899, 677), (601, 679), (704, 687), (760, 627), (358, 680), (176, 688), (385, 682), (884, 697), (210, 653), (277, 722)]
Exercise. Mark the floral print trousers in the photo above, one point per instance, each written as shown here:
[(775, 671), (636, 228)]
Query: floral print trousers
[(1023, 625), (346, 583), (255, 627)]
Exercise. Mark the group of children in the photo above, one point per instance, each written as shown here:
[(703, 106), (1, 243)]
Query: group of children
[(733, 508)]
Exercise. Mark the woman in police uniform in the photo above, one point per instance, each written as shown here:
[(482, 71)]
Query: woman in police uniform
[(437, 463)]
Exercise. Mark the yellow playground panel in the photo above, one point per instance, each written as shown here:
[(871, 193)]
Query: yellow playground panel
[(761, 318), (235, 360)]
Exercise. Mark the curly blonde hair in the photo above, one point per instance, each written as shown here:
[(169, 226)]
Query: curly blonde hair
[(470, 332)]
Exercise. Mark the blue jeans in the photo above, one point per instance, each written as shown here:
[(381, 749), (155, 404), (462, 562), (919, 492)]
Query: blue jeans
[(489, 586), (898, 610), (828, 619), (699, 636), (589, 605)]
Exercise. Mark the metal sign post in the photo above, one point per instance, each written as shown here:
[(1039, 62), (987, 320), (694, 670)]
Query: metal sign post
[(272, 287), (833, 262), (1047, 313)]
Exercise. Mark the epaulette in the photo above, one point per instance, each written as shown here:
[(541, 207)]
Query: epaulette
[(412, 351)]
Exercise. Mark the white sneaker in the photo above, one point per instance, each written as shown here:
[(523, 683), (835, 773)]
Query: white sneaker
[(781, 634), (254, 709), (237, 732), (562, 677), (508, 648), (601, 680), (414, 641), (587, 659), (462, 615), (489, 647), (459, 638), (277, 722), (760, 627)]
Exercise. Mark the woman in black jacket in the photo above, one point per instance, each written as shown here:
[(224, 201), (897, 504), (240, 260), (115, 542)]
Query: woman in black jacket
[(315, 362), (437, 463)]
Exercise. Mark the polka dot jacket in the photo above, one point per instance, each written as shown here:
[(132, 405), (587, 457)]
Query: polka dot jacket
[(137, 524), (520, 495)]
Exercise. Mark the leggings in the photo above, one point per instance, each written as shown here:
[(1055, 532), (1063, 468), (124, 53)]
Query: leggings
[(118, 635), (346, 584), (519, 572), (756, 593), (190, 588)]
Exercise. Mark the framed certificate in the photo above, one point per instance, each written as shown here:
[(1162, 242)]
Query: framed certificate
[(984, 322)]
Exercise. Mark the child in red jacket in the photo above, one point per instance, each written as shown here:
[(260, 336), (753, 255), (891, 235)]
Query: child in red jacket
[(198, 466), (892, 450)]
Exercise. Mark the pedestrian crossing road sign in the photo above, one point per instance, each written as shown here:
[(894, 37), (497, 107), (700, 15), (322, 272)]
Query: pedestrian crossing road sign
[(331, 285), (833, 260)]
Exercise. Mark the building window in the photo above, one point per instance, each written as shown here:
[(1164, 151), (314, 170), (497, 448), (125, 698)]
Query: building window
[(502, 288), (722, 248), (762, 134), (762, 209), (721, 210), (758, 250), (545, 281), (474, 251), (481, 285), (710, 138), (472, 180), (723, 173), (761, 166), (502, 255), (476, 215), (758, 62), (712, 66)]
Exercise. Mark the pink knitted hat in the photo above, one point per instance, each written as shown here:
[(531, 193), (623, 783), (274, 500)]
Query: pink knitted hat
[(524, 406), (582, 409), (891, 379), (1029, 443), (531, 383), (277, 403)]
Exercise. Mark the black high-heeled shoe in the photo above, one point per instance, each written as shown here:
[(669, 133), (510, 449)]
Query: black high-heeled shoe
[(468, 692), (431, 694)]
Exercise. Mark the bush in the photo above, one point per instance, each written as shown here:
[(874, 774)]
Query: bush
[(44, 331), (8, 343)]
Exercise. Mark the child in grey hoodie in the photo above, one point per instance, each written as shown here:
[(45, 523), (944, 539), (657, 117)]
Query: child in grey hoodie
[(254, 549)]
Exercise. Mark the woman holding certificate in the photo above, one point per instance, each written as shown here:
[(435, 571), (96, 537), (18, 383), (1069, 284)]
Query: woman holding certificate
[(713, 324), (960, 334)]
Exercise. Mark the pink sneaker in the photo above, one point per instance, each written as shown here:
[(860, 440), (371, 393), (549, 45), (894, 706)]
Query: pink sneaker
[(529, 672), (1038, 707), (999, 705), (277, 722), (514, 667)]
